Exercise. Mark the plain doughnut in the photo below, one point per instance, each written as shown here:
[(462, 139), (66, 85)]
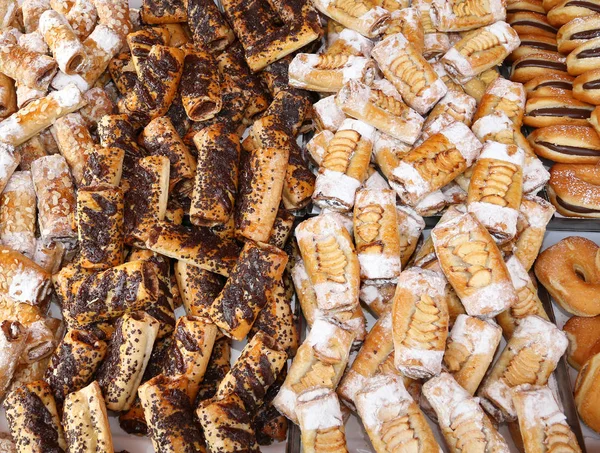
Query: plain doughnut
[(570, 271)]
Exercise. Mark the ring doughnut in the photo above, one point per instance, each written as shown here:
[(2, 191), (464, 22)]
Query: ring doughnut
[(570, 271), (575, 190), (584, 339)]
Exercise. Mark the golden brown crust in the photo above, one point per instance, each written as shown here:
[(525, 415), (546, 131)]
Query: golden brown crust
[(104, 167), (200, 85), (163, 11), (584, 339), (586, 393), (18, 214), (208, 27)]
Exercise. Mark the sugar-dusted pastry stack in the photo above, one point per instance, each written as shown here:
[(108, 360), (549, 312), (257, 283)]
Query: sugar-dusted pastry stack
[(557, 63)]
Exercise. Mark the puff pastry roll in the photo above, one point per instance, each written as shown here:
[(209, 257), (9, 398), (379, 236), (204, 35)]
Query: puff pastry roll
[(409, 72), (248, 288), (435, 163), (392, 418), (218, 366), (146, 199), (481, 50), (31, 11), (74, 362), (33, 419), (473, 265), (100, 47), (276, 319), (346, 41), (542, 423), (380, 106), (115, 131), (496, 188), (226, 425), (331, 262), (454, 106), (115, 15), (198, 246), (528, 304), (464, 424), (209, 28), (282, 228), (30, 68), (344, 166), (8, 97), (9, 161), (100, 227), (39, 114), (85, 421), (169, 414), (328, 73), (504, 96), (470, 350), (457, 15), (529, 357), (31, 150), (328, 116), (408, 22), (109, 294), (200, 85), (419, 323), (370, 361), (268, 424), (535, 213), (160, 138), (158, 79), (321, 422), (49, 255), (377, 295), (163, 12), (23, 281), (104, 167), (366, 18), (18, 214), (62, 41), (261, 184), (12, 344), (376, 233), (387, 153), (410, 226), (254, 372), (74, 142), (199, 288), (121, 373), (319, 362), (99, 103)]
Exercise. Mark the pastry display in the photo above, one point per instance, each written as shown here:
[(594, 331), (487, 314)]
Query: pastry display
[(222, 219)]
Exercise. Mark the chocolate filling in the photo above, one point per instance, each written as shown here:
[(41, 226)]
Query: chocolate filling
[(588, 5), (530, 23), (586, 34), (575, 113), (571, 150), (591, 85), (556, 84), (540, 45), (589, 53), (574, 208), (559, 66)]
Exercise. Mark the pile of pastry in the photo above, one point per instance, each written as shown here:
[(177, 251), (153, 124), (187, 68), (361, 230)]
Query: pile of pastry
[(558, 62)]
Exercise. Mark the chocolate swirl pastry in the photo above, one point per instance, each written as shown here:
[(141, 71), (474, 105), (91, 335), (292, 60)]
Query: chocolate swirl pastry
[(208, 26)]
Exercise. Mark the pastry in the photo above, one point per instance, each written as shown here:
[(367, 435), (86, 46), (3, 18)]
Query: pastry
[(348, 42), (542, 421), (503, 96), (550, 85), (380, 106), (567, 144), (209, 28), (344, 166), (105, 167), (533, 43), (584, 57), (477, 86), (74, 142), (435, 163), (577, 32), (528, 304), (18, 214), (253, 277), (328, 116), (530, 357), (199, 288), (586, 396), (376, 233), (121, 373), (464, 424), (409, 72), (454, 106), (526, 22), (116, 131), (388, 152), (565, 11), (569, 271), (200, 85), (407, 21), (573, 189), (62, 41), (537, 64), (419, 323), (480, 50), (365, 17), (473, 264), (86, 422), (452, 15), (392, 418), (470, 350), (495, 188), (534, 215), (584, 343), (377, 296), (12, 343), (586, 87), (33, 419)]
